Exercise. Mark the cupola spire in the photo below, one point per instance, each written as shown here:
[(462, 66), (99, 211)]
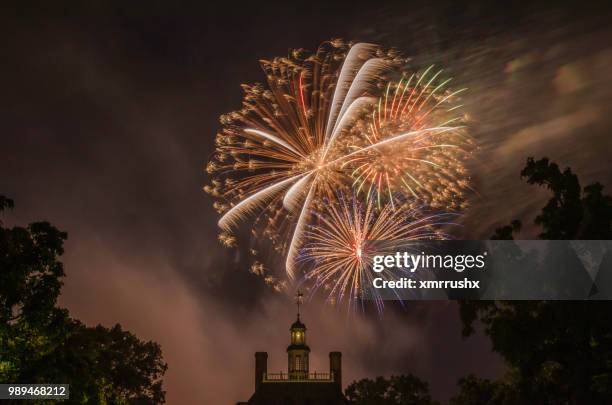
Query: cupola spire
[(298, 301)]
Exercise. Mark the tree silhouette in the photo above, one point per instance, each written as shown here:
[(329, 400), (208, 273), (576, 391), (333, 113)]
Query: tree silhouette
[(481, 391), (570, 213), (397, 390), (559, 352), (506, 232), (40, 343)]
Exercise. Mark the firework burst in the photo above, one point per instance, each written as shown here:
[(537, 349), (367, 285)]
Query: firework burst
[(428, 148), (320, 125), (339, 248)]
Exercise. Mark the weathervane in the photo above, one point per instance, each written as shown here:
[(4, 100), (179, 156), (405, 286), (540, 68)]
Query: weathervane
[(298, 301)]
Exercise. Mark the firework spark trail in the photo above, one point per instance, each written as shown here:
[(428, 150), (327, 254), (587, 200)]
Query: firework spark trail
[(351, 66), (340, 247)]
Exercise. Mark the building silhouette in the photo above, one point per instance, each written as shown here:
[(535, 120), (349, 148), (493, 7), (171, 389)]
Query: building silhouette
[(298, 386)]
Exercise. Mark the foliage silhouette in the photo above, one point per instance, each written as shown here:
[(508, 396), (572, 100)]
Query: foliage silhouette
[(397, 390), (558, 352), (480, 391), (40, 343)]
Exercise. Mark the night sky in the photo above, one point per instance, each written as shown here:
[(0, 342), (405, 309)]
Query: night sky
[(108, 118)]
